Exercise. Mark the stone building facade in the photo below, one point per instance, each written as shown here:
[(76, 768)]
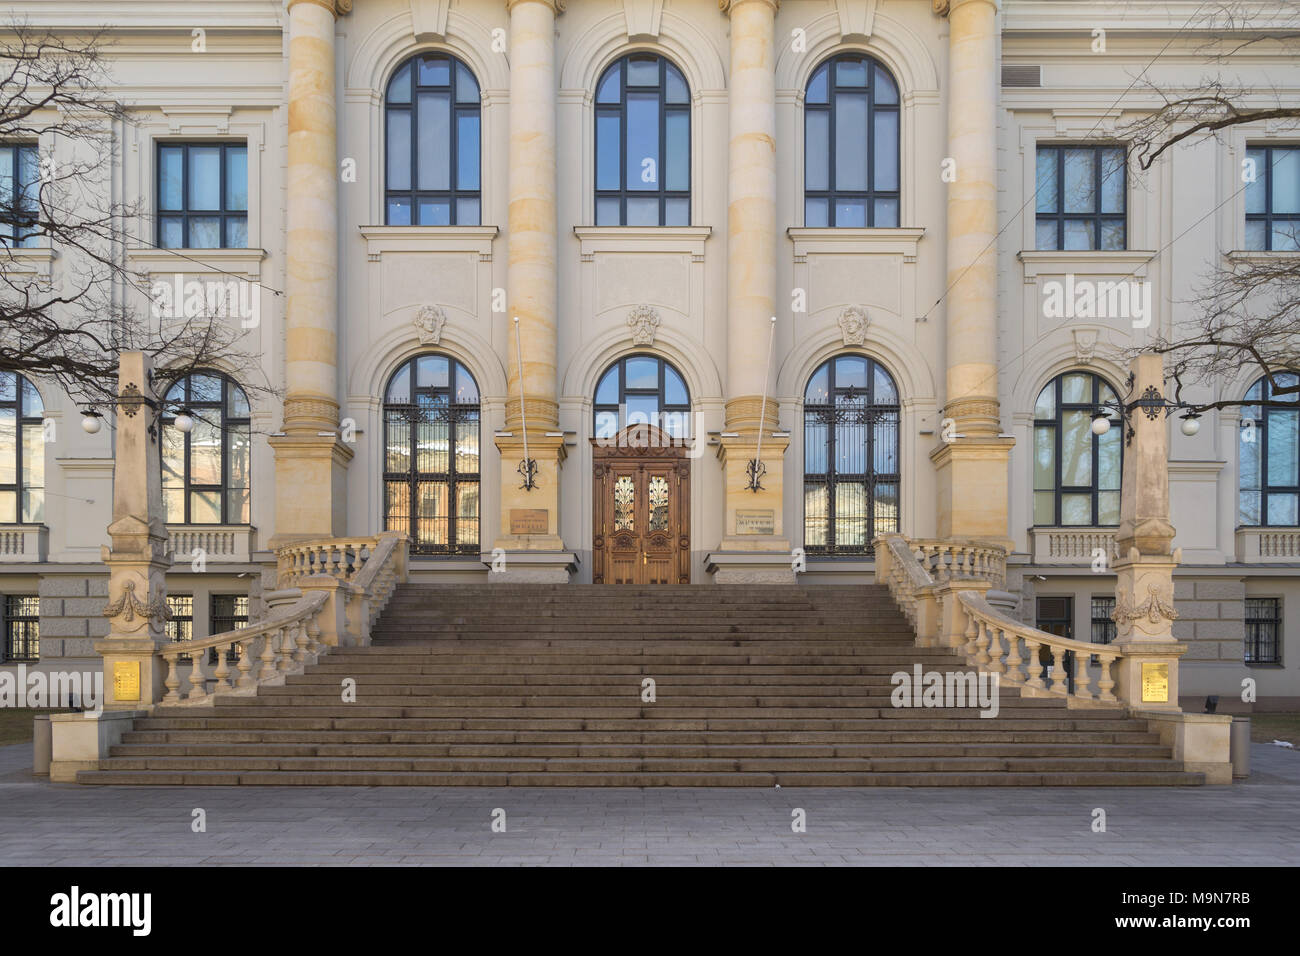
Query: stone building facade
[(487, 240)]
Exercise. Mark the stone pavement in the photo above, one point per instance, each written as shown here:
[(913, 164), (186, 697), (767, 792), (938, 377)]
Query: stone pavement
[(1256, 823)]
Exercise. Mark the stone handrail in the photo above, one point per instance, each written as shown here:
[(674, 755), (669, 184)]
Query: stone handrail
[(286, 642), (338, 590), (946, 560), (953, 612)]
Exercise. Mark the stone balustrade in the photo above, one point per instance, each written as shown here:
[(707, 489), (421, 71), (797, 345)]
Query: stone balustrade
[(341, 558), (23, 543), (946, 560), (1073, 545), (1268, 545), (231, 543)]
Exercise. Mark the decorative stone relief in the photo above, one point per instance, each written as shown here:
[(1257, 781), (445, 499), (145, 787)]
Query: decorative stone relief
[(129, 607), (428, 324), (643, 321), (1155, 609), (643, 18), (853, 324), (857, 18), (1085, 344)]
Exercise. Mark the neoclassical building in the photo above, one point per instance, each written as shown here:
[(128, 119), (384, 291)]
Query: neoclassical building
[(665, 292)]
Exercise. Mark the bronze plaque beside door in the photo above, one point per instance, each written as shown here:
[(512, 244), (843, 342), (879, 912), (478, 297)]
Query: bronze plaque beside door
[(641, 526)]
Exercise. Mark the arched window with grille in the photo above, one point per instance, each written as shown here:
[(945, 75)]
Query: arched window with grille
[(1076, 473), (851, 456), (431, 455), (1269, 453), (642, 390), (432, 142), (851, 137), (22, 451), (643, 144), (206, 471)]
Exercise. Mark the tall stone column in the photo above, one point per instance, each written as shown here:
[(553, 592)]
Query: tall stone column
[(310, 459), (972, 463), (530, 515), (754, 546), (1144, 583)]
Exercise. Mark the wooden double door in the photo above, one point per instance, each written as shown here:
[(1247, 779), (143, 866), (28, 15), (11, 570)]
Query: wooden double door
[(641, 531)]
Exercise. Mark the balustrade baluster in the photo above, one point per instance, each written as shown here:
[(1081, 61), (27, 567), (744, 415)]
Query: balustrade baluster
[(1013, 671), (245, 664), (222, 671), (1059, 679), (995, 649), (288, 647), (1035, 664), (268, 655), (172, 682), (196, 676), (982, 644), (1081, 676), (1104, 680)]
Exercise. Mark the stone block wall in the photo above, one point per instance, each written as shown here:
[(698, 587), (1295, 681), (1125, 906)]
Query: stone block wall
[(72, 616)]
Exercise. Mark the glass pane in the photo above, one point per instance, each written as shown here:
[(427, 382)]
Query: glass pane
[(886, 92), (431, 371), (642, 71), (1046, 195), (1248, 510), (435, 213), (397, 506), (1286, 180), (624, 503), (205, 507), (850, 372), (1076, 449), (674, 388), (815, 501), (237, 178), (642, 373), (677, 212), (205, 453), (205, 388), (817, 127), (466, 388), (886, 151), (1076, 389), (1248, 467), (33, 471), (399, 150), (397, 443), (814, 212), (643, 211), (467, 511), (432, 445), (237, 505), (466, 85), (608, 212), (607, 390), (435, 71), (237, 233), (1112, 180), (170, 177), (884, 508), (32, 404), (850, 141), (850, 215), (675, 90), (818, 389), (8, 446), (850, 514), (467, 144), (1283, 453), (1108, 460), (399, 212), (1286, 236), (642, 410), (1044, 458), (1080, 181), (885, 392), (237, 463), (205, 232), (607, 151), (433, 152), (851, 72), (399, 88), (431, 513), (608, 90), (1045, 235), (171, 234), (1112, 235), (1076, 510), (467, 212), (885, 213), (815, 438), (1257, 186), (817, 86), (467, 447), (1078, 234), (1256, 235), (1045, 407), (1282, 510), (8, 387), (606, 425), (677, 150), (8, 507), (205, 177), (1107, 507), (884, 445), (657, 492), (1044, 509), (642, 142)]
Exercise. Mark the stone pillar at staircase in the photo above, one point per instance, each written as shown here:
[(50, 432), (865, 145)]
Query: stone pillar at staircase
[(530, 541), (754, 548), (971, 464), (309, 453)]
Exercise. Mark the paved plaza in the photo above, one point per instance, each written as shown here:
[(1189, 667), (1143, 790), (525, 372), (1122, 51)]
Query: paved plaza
[(1256, 823)]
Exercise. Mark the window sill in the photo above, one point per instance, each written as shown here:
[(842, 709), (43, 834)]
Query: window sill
[(474, 239), (1051, 262), (1260, 255), (840, 240), (684, 239), (240, 262)]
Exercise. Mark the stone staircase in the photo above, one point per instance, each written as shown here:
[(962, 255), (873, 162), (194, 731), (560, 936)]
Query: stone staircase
[(539, 685)]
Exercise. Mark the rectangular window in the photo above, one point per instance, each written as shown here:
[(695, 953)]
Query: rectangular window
[(1080, 197), (22, 628), (1263, 631), (229, 613), (1055, 615), (202, 196), (19, 195), (1273, 198), (1103, 628), (181, 625)]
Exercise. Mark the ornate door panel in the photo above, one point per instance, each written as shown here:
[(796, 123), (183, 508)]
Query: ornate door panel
[(642, 521)]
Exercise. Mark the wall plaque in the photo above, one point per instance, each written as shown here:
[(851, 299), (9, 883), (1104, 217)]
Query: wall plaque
[(755, 521), (1155, 683), (126, 680), (529, 521)]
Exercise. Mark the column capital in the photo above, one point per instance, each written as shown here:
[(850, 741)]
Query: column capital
[(944, 7), (337, 8), (557, 6), (726, 6)]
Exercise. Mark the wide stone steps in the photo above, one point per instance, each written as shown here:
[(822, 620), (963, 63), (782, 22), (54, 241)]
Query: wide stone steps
[(536, 685)]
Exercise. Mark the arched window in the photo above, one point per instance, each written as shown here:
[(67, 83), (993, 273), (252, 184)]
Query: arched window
[(851, 469), (431, 139), (206, 471), (1076, 473), (431, 455), (851, 118), (22, 451), (642, 390), (1269, 452), (643, 144)]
